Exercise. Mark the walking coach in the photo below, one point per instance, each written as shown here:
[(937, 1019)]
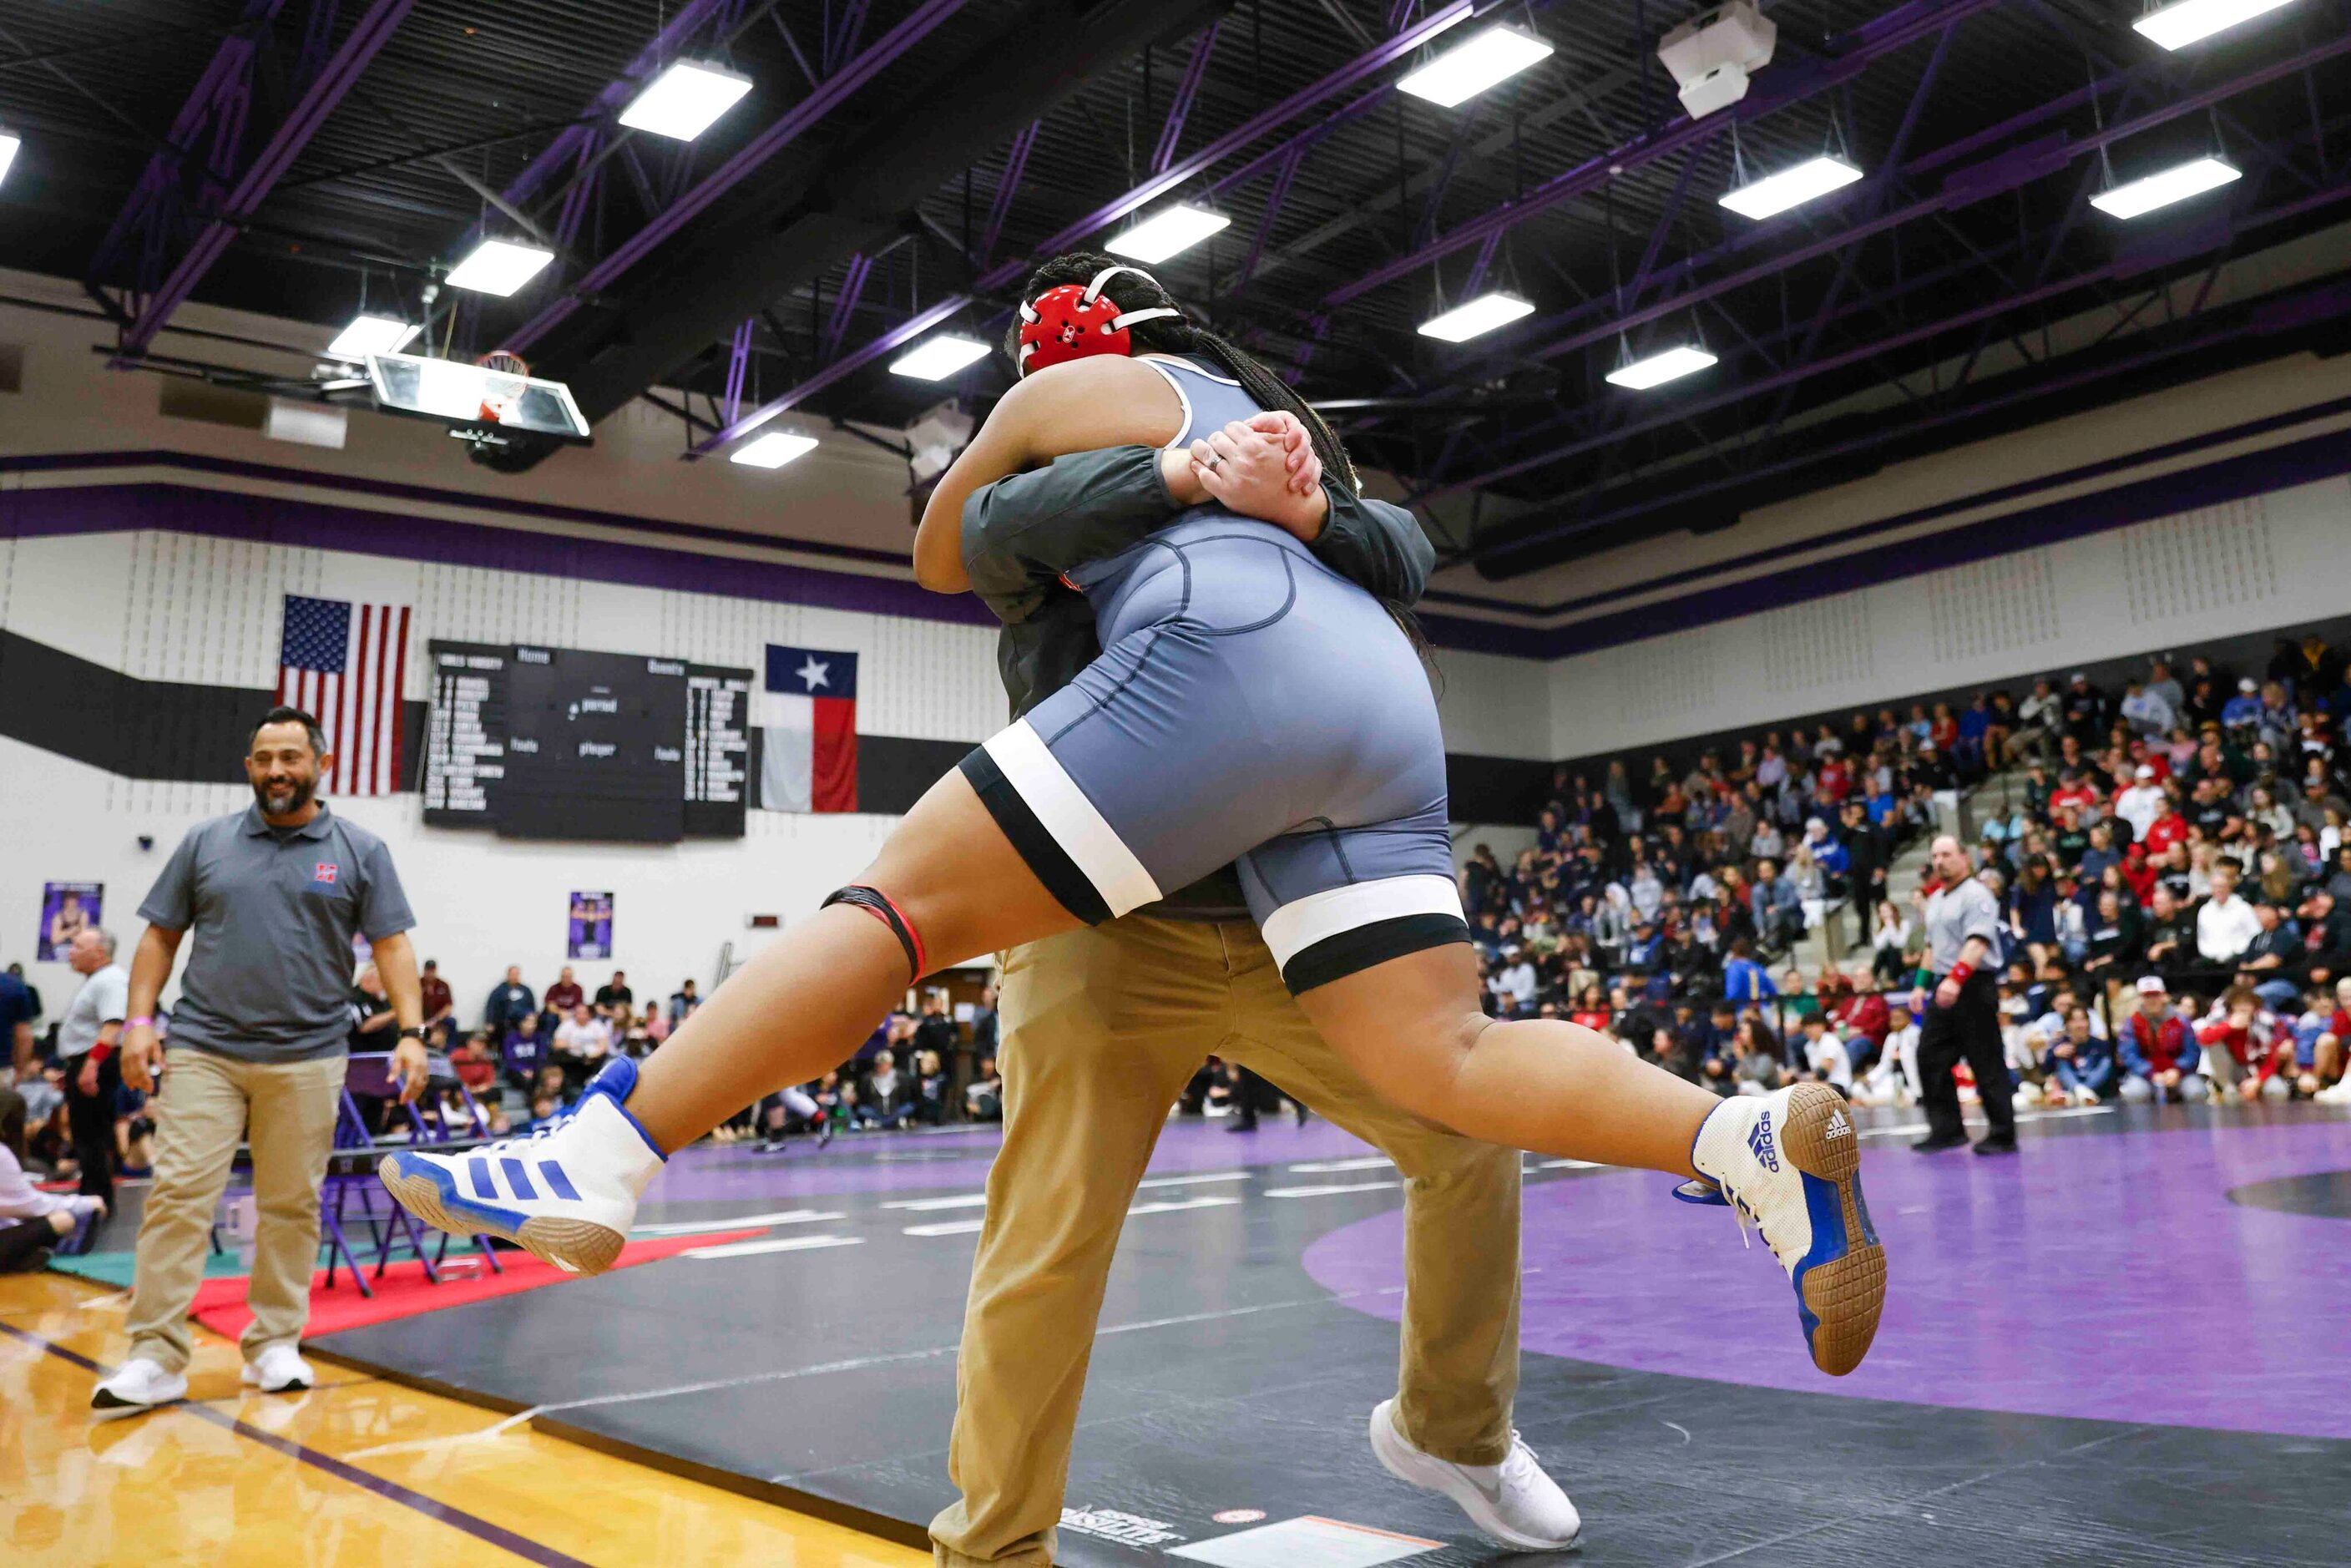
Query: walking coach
[(274, 895)]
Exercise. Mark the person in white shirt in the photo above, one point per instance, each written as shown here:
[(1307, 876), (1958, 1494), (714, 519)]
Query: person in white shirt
[(2141, 803), (2227, 925), (1517, 980), (1826, 1054), (32, 1220), (584, 1035), (1894, 1081), (2147, 712)]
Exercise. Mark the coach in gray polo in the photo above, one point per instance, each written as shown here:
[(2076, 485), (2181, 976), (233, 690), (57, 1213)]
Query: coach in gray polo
[(274, 895)]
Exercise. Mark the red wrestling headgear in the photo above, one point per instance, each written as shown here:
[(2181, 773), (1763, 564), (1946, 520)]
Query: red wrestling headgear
[(1070, 322)]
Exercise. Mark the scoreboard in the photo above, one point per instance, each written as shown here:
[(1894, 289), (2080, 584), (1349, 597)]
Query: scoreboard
[(560, 743)]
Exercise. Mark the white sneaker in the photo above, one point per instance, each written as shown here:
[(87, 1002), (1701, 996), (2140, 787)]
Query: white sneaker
[(141, 1385), (280, 1369), (2335, 1093), (1791, 1163), (1514, 1503), (567, 1194)]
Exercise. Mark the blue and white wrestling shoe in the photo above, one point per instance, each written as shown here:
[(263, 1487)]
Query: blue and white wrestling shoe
[(567, 1193), (1791, 1164)]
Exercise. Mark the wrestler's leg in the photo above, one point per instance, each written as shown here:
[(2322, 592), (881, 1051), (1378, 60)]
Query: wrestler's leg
[(1789, 1161), (804, 1002)]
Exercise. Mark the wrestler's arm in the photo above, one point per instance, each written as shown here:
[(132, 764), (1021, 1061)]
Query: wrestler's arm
[(1079, 406), (1022, 532)]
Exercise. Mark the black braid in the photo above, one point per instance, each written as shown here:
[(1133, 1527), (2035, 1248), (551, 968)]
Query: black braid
[(1169, 335)]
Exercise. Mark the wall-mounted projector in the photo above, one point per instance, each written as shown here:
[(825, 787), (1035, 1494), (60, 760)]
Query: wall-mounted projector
[(935, 439), (1713, 53)]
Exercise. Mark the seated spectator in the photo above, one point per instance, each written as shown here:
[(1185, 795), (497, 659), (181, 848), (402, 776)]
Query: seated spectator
[(2225, 925), (682, 1003), (1894, 1079), (2158, 1049), (984, 1101), (1756, 1067), (475, 1068), (2080, 1063), (885, 1098), (581, 1043), (1825, 1056), (34, 1223), (1744, 979), (523, 1051), (2243, 1054), (510, 1002)]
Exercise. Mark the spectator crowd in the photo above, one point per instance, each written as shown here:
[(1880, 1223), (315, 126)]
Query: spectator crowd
[(2172, 860)]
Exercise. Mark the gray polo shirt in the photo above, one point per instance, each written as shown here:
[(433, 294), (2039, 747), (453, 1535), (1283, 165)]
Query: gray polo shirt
[(274, 911), (100, 1001), (1955, 913)]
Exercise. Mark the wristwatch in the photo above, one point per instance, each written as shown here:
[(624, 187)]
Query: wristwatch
[(412, 1032)]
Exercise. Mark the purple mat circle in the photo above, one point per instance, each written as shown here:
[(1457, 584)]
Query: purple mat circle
[(2101, 1276)]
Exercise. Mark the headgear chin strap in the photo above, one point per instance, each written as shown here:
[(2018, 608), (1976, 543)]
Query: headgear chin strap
[(1069, 323)]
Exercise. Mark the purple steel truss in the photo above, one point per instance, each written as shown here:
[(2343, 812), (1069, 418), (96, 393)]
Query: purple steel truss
[(318, 100), (1016, 167), (218, 104), (1175, 174), (2122, 266), (1185, 91), (1841, 60), (836, 88)]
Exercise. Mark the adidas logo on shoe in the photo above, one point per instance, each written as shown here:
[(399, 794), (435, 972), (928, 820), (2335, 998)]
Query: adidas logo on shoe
[(1838, 1126), (1759, 1143)]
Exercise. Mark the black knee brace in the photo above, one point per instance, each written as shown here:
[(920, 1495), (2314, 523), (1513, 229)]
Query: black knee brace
[(876, 903)]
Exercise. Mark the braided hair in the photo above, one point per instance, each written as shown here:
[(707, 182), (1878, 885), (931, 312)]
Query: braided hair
[(1132, 290)]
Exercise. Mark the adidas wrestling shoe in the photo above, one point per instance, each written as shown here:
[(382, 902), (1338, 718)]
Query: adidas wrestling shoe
[(1791, 1164), (567, 1193)]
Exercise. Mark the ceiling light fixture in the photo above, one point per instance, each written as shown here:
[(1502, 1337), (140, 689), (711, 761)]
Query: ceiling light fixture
[(1166, 234), (686, 101), (2173, 184), (371, 335), (1790, 187), (1474, 318), (9, 142), (775, 449), (2177, 25), (939, 358), (499, 267), (1670, 365), (1474, 64)]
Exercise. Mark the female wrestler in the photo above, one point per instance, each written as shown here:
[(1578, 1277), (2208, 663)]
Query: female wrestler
[(1249, 705)]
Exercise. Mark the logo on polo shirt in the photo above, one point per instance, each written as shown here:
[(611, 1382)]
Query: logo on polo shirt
[(324, 874)]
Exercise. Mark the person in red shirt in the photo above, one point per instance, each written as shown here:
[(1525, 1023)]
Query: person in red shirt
[(2073, 790), (2138, 874), (1860, 1013), (2168, 827)]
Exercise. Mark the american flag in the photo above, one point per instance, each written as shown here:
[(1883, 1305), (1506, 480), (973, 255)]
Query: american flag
[(346, 665)]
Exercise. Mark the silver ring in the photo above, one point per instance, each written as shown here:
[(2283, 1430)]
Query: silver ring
[(1216, 460)]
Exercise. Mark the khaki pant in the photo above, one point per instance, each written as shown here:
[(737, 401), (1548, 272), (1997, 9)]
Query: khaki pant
[(1102, 1029), (201, 1113)]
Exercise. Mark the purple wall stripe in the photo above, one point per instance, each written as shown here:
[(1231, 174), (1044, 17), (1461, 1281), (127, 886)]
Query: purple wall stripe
[(1925, 514), (2233, 478), (480, 1528), (108, 508)]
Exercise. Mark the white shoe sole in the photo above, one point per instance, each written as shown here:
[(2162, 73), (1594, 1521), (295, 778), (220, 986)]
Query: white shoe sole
[(1417, 1470), (117, 1412), (574, 1246)]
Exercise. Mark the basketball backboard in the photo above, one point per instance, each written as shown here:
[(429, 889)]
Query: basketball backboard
[(477, 402)]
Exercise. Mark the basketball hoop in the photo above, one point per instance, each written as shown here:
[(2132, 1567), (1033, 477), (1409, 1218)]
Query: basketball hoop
[(503, 387)]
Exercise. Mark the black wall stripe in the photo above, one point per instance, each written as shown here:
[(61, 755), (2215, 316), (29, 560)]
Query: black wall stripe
[(167, 730)]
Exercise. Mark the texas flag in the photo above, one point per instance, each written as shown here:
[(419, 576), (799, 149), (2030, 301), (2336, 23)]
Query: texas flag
[(808, 759)]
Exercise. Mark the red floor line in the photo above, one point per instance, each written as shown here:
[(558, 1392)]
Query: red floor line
[(456, 1517)]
